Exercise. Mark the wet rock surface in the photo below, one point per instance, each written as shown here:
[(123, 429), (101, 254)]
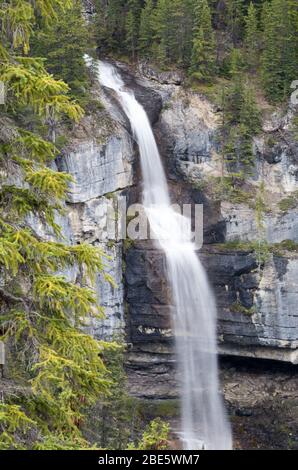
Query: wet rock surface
[(161, 77), (260, 396), (256, 305), (262, 401), (149, 98)]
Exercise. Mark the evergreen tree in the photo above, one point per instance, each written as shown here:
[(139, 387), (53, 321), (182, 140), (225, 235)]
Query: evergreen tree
[(64, 45), (234, 97), (249, 113), (241, 121), (173, 31), (235, 19), (132, 26), (251, 40), (110, 22), (289, 54), (273, 47), (103, 34), (183, 33), (42, 312), (165, 35), (279, 58), (185, 27), (203, 52), (147, 29)]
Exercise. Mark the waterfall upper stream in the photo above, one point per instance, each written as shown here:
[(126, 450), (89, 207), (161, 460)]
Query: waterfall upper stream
[(204, 423)]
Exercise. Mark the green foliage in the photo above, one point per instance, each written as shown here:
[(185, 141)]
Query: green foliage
[(43, 312), (18, 203), (64, 44), (199, 35), (128, 243), (114, 420), (235, 19), (251, 39), (229, 188), (203, 51), (49, 182), (286, 246), (62, 442), (155, 437), (132, 26), (161, 30), (110, 28), (147, 29), (68, 373), (241, 121), (56, 294), (29, 84), (69, 377), (280, 51), (14, 425), (165, 408), (262, 252), (174, 25), (275, 248), (261, 248), (236, 245), (289, 202), (237, 307), (35, 147)]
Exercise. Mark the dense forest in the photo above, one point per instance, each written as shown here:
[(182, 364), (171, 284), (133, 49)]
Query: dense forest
[(204, 36), (235, 49)]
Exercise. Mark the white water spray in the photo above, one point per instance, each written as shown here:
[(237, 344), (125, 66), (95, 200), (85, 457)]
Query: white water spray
[(203, 416)]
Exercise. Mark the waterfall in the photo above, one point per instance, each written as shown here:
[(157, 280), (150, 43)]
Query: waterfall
[(203, 420)]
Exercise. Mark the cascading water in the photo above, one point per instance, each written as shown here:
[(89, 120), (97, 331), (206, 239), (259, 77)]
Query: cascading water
[(204, 423)]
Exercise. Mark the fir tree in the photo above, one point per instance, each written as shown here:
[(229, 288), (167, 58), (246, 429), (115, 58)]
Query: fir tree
[(132, 26), (110, 25), (165, 35), (249, 113), (289, 54), (271, 57), (64, 45), (203, 52), (251, 39), (241, 122), (173, 31), (146, 29), (235, 19), (42, 313), (185, 27), (279, 58)]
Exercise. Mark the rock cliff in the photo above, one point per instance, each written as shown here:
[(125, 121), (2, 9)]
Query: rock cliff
[(257, 300)]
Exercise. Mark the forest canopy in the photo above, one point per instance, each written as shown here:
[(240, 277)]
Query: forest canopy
[(200, 36)]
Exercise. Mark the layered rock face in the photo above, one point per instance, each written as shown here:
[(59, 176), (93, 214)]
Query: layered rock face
[(257, 311), (100, 158)]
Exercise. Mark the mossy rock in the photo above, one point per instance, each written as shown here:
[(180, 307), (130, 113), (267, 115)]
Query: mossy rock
[(165, 409), (237, 307)]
